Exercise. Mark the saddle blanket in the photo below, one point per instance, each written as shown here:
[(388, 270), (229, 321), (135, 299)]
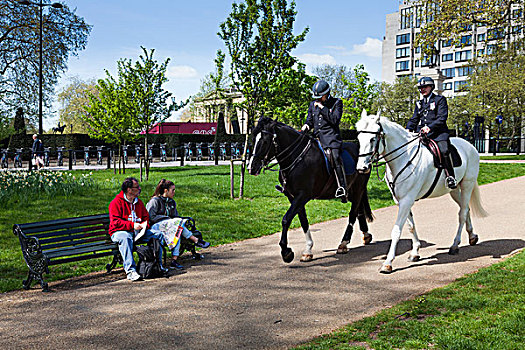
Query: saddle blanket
[(456, 158), (348, 162)]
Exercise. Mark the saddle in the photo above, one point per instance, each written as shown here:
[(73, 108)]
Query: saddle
[(434, 149), (349, 153)]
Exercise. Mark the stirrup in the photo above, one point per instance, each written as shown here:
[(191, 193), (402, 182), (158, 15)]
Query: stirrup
[(451, 182), (340, 192)]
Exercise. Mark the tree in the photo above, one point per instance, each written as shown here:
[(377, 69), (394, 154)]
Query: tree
[(73, 99), (290, 95), (362, 95), (450, 18), (258, 35), (334, 75), (108, 116), (64, 34), (146, 100), (397, 100)]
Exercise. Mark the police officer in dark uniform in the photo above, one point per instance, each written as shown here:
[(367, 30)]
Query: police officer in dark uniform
[(430, 117), (324, 116)]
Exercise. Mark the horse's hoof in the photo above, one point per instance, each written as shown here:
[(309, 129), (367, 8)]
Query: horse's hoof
[(342, 249), (386, 269), (413, 258), (367, 238), (287, 255), (453, 251), (473, 240), (307, 257)]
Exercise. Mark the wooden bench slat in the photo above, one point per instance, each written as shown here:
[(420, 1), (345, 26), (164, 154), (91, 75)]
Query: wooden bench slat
[(80, 258), (67, 231), (64, 238), (79, 249), (78, 242), (35, 227)]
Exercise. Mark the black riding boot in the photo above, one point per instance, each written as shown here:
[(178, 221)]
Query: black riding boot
[(341, 183), (449, 170)]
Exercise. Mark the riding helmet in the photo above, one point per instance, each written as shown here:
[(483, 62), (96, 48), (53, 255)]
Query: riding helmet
[(320, 89), (425, 81)]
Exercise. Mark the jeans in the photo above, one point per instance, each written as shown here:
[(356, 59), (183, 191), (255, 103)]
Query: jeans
[(185, 233), (125, 245)]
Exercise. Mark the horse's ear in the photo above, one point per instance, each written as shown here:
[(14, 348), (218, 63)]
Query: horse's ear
[(363, 113)]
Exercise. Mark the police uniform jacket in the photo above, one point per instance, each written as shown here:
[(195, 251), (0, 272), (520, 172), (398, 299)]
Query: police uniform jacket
[(432, 113), (325, 122)]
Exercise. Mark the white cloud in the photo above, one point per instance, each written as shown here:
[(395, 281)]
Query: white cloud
[(371, 48), (182, 72), (314, 59)]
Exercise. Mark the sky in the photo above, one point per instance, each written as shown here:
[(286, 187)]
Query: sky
[(343, 32)]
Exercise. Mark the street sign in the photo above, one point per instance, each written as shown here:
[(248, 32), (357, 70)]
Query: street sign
[(499, 119)]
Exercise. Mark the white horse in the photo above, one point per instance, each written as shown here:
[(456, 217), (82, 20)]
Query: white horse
[(410, 175)]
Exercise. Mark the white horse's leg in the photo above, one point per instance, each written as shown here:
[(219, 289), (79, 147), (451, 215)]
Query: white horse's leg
[(473, 238), (416, 244), (402, 214)]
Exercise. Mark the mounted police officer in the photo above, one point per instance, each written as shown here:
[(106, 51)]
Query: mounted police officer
[(324, 116), (430, 117)]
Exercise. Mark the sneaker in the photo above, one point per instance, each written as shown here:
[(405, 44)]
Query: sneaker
[(133, 276), (202, 244), (175, 265)]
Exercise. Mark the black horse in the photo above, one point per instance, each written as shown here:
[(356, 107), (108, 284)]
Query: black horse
[(304, 176)]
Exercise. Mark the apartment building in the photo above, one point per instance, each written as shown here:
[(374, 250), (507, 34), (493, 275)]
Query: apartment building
[(450, 67)]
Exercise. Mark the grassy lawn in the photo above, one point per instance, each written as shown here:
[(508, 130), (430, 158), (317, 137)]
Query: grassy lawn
[(484, 310), (201, 192), (504, 157)]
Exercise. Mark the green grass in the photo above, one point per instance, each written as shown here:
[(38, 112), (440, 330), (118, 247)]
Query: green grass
[(484, 310), (201, 192), (504, 157)]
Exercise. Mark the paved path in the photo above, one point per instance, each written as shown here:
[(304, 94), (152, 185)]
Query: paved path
[(244, 297)]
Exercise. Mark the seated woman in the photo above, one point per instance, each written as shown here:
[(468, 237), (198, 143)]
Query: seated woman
[(165, 218)]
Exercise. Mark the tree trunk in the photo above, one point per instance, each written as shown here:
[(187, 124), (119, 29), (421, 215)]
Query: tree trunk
[(146, 156), (232, 174), (243, 167)]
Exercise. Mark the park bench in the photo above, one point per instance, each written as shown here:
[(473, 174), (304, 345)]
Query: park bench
[(54, 242)]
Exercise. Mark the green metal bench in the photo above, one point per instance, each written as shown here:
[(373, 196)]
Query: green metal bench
[(54, 242)]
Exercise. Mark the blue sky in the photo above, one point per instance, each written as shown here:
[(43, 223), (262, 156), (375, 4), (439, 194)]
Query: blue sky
[(347, 32)]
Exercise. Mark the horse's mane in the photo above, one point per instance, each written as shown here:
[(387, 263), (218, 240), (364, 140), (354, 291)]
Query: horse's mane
[(394, 125), (266, 120)]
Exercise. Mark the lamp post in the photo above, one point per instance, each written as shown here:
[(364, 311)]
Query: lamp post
[(40, 53)]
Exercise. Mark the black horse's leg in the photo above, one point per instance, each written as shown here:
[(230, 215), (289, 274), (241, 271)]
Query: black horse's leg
[(307, 253), (352, 215), (296, 205)]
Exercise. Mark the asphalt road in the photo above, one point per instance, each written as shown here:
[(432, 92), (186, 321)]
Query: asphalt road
[(244, 296)]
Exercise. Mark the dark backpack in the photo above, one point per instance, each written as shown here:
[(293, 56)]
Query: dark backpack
[(148, 265)]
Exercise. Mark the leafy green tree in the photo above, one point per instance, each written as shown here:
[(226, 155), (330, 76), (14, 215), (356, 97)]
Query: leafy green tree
[(450, 18), (396, 101), (108, 114), (362, 95), (73, 99), (147, 100), (64, 34), (335, 75), (291, 94), (258, 35)]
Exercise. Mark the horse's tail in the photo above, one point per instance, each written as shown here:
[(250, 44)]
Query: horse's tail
[(475, 203), (365, 205)]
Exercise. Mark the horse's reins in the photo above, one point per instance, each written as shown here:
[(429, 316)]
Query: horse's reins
[(295, 146)]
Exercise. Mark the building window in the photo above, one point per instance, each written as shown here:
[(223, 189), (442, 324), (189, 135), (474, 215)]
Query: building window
[(460, 85), (447, 86), (481, 37), (417, 49), (419, 16), (466, 40), (516, 30), (493, 48), (448, 72), (416, 63), (402, 66), (447, 57), (407, 16), (495, 34), (403, 52), (403, 39), (463, 56), (464, 71), (480, 52), (446, 43), (516, 13)]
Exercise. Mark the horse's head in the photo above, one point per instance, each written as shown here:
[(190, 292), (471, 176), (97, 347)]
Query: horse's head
[(263, 149), (370, 135)]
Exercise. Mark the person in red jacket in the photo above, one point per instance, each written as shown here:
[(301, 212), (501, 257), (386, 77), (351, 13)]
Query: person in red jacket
[(129, 222)]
